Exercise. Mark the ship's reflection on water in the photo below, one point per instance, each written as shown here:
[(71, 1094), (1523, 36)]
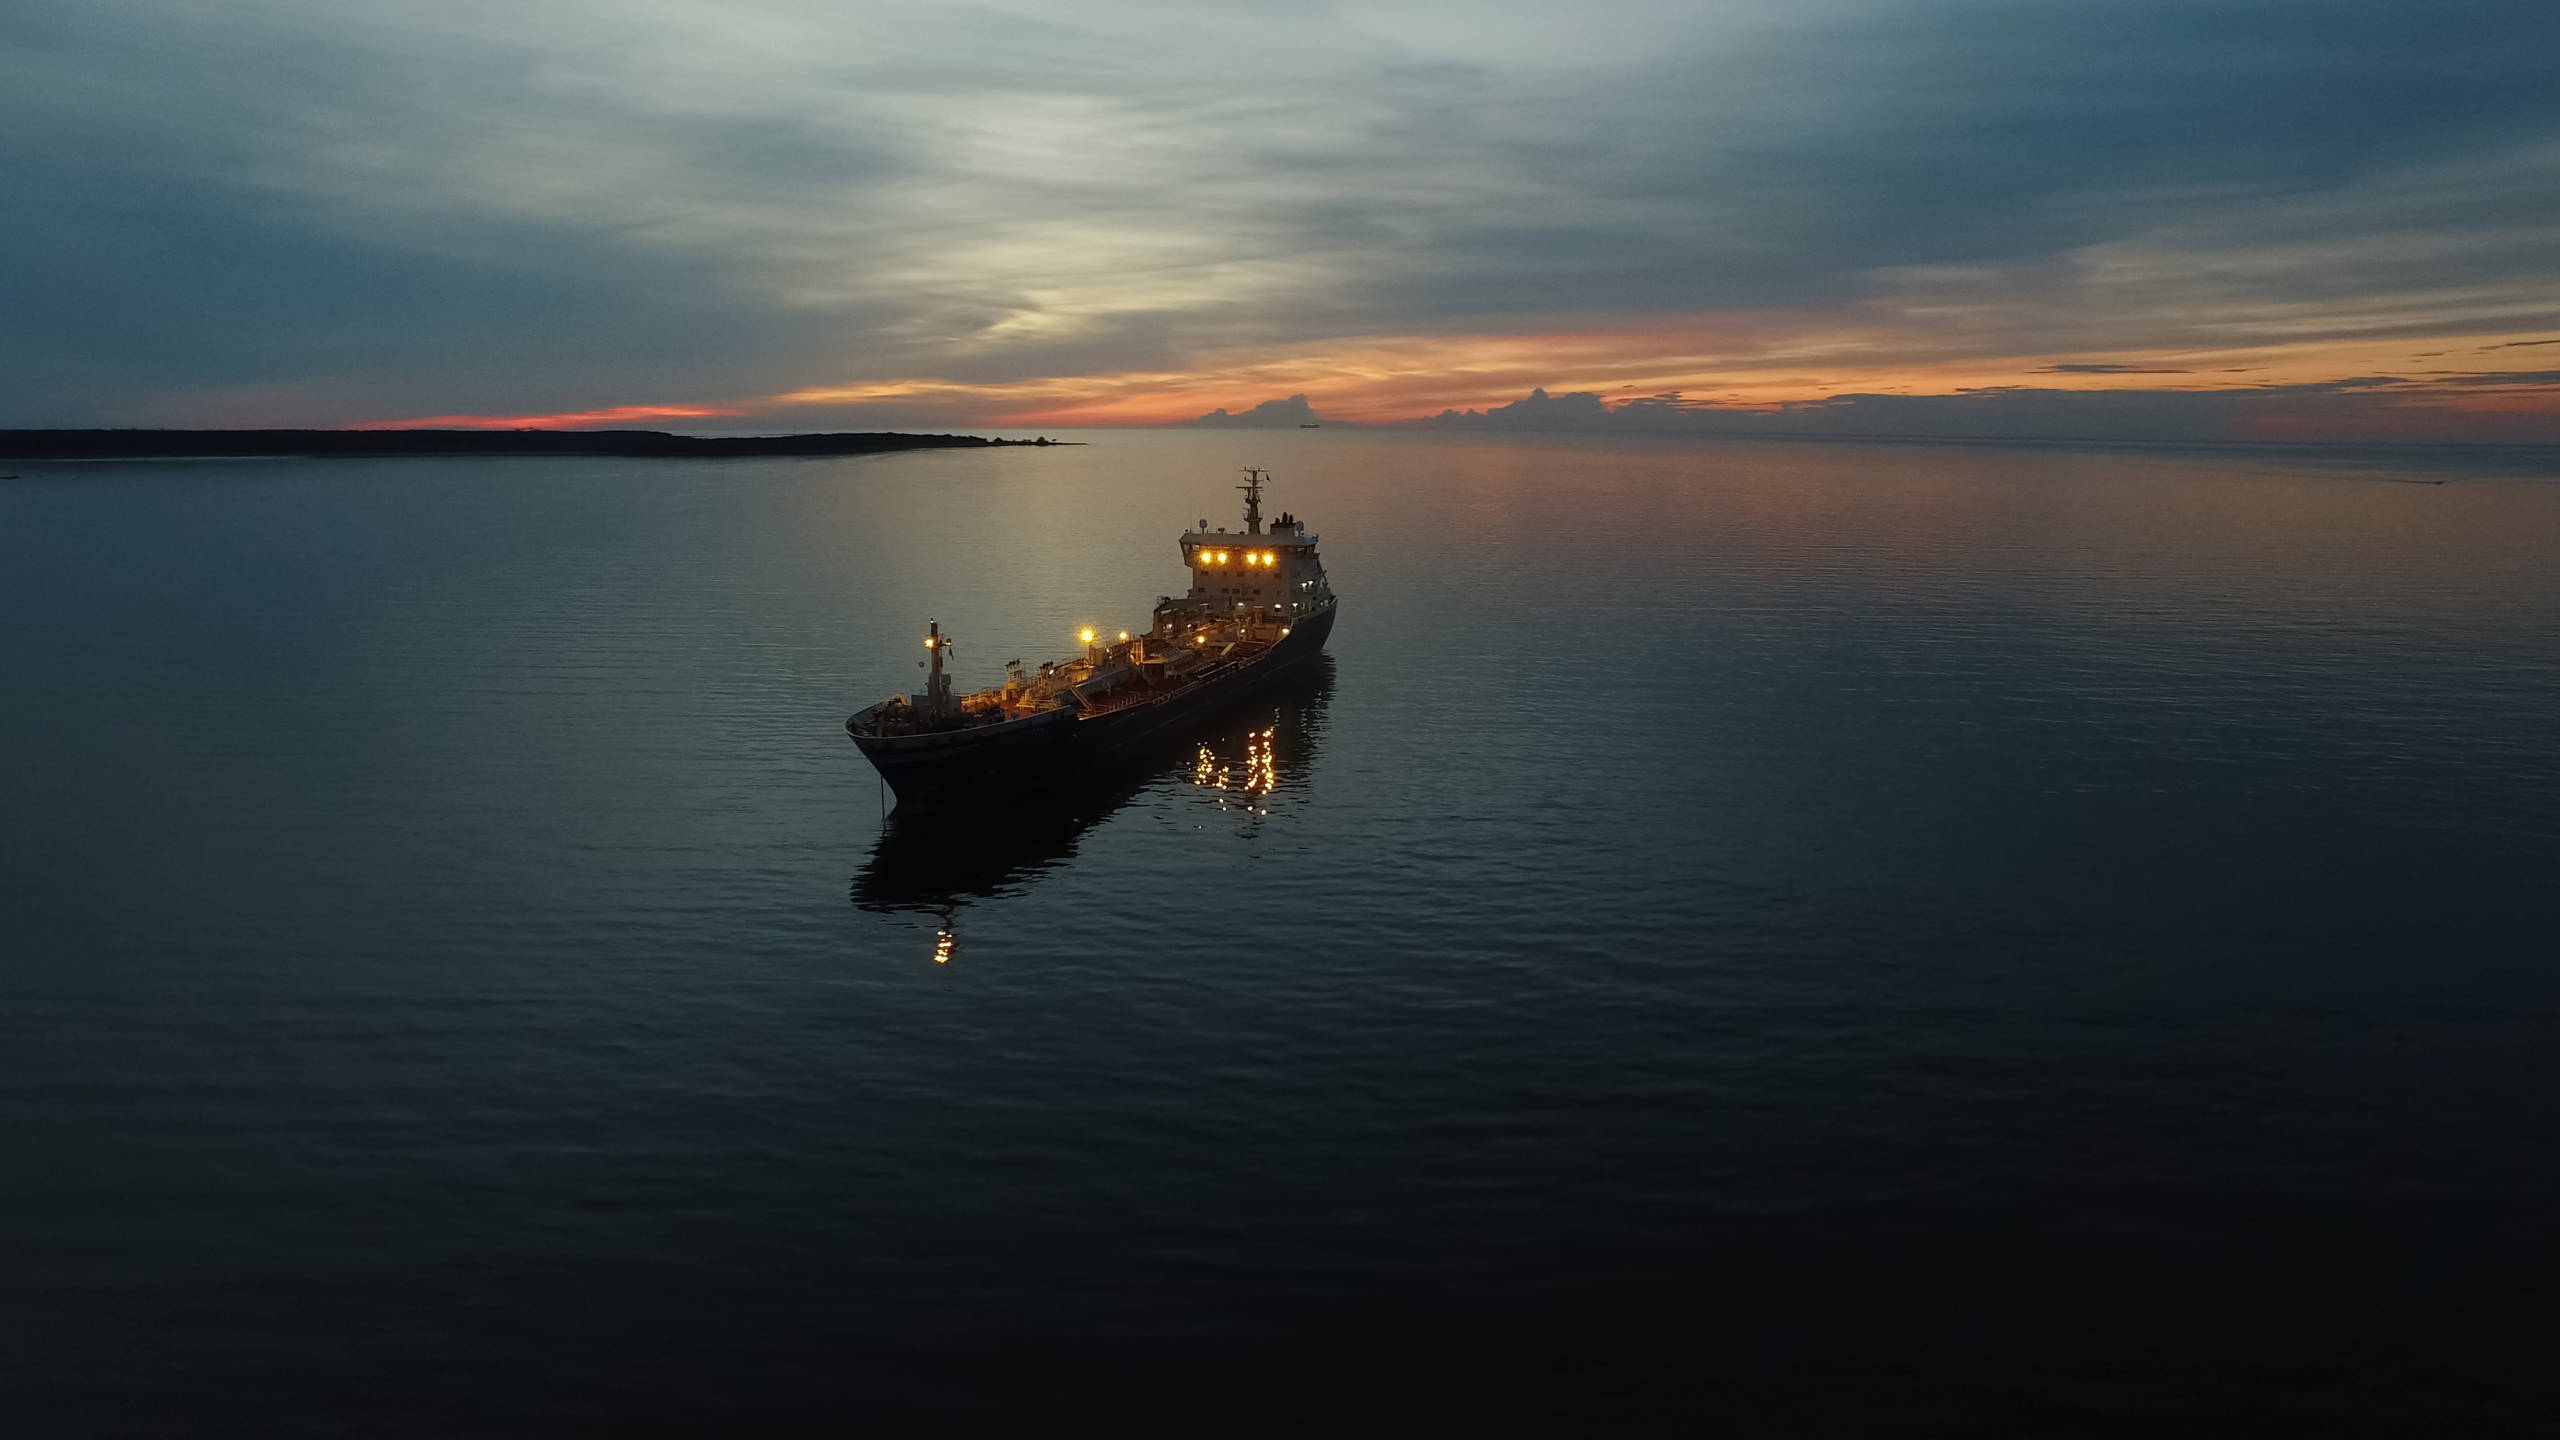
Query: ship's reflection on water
[(941, 862)]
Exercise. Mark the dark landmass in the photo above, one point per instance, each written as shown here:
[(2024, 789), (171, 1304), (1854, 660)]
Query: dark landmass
[(196, 444)]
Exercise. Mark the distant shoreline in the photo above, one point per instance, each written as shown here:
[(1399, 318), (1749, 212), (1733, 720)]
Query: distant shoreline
[(643, 444)]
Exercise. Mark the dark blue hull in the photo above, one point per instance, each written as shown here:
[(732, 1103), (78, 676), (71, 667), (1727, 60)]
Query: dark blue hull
[(1051, 750)]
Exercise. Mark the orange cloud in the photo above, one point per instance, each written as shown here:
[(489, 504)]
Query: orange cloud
[(1760, 361), (568, 420)]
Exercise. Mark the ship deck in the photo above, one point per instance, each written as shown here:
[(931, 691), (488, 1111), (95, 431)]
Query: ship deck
[(1134, 683), (1141, 691)]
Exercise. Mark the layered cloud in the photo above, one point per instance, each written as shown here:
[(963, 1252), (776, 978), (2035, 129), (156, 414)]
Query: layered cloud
[(2481, 409), (289, 211)]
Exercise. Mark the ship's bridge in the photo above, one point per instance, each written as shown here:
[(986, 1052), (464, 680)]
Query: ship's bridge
[(1267, 575)]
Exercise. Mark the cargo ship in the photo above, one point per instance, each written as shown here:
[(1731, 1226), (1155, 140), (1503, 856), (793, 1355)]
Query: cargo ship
[(1259, 607)]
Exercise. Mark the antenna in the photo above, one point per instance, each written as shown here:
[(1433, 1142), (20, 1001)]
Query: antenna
[(1252, 488)]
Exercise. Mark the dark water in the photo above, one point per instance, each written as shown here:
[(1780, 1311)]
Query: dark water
[(1834, 936)]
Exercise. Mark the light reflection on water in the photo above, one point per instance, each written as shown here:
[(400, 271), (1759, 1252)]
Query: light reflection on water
[(1244, 783)]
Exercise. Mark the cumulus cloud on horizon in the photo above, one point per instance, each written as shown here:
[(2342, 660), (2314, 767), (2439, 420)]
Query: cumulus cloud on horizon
[(330, 211), (2374, 407), (1269, 415)]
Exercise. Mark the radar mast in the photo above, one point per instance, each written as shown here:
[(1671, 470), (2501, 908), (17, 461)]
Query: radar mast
[(1252, 488), (937, 686)]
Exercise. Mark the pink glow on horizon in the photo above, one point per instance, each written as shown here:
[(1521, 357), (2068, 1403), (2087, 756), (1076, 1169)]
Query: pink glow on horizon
[(1753, 362), (567, 420)]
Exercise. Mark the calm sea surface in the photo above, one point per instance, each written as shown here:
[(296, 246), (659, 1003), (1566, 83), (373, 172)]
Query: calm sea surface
[(1827, 933)]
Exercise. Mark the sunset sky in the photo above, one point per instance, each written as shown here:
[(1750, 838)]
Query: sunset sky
[(2262, 221)]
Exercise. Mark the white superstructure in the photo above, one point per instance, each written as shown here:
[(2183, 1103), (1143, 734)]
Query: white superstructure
[(1257, 575)]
